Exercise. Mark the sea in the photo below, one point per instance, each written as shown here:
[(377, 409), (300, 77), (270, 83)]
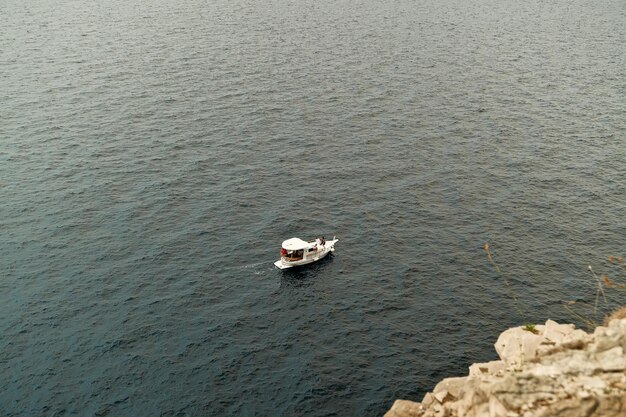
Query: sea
[(469, 155)]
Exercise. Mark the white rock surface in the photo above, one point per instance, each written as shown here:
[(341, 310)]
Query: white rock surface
[(492, 367), (517, 344), (560, 372), (555, 332)]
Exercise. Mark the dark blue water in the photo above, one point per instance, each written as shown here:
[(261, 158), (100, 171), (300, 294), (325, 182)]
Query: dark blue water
[(153, 155)]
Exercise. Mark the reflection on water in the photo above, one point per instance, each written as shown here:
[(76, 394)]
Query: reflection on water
[(302, 276)]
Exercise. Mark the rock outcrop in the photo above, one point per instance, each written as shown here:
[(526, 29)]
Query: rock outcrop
[(553, 371)]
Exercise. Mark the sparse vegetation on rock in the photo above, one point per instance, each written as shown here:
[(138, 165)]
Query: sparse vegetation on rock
[(557, 371)]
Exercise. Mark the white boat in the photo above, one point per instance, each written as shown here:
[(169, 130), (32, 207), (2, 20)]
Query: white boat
[(296, 252)]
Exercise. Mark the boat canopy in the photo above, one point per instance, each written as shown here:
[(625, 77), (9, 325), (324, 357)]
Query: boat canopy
[(295, 244)]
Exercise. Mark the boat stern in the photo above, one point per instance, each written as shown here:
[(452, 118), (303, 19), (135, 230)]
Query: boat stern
[(279, 264)]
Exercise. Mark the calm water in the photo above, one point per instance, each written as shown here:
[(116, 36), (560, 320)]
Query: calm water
[(154, 154)]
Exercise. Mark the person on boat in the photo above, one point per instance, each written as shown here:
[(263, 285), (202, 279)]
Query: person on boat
[(283, 252)]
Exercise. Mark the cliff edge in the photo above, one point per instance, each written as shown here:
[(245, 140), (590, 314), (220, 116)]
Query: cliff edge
[(554, 370)]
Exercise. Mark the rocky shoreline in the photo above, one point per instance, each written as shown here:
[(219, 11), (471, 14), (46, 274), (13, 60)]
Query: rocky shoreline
[(551, 370)]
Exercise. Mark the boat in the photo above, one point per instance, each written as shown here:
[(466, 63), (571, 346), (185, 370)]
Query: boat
[(297, 252)]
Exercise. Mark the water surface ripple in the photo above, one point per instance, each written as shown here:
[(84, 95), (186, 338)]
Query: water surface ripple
[(154, 154)]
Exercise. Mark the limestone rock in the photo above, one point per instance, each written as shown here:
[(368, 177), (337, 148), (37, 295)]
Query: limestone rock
[(612, 360), (404, 408), (555, 332), (489, 368), (610, 337), (576, 336), (428, 400), (442, 395), (518, 344), (453, 386), (561, 372), (496, 409)]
